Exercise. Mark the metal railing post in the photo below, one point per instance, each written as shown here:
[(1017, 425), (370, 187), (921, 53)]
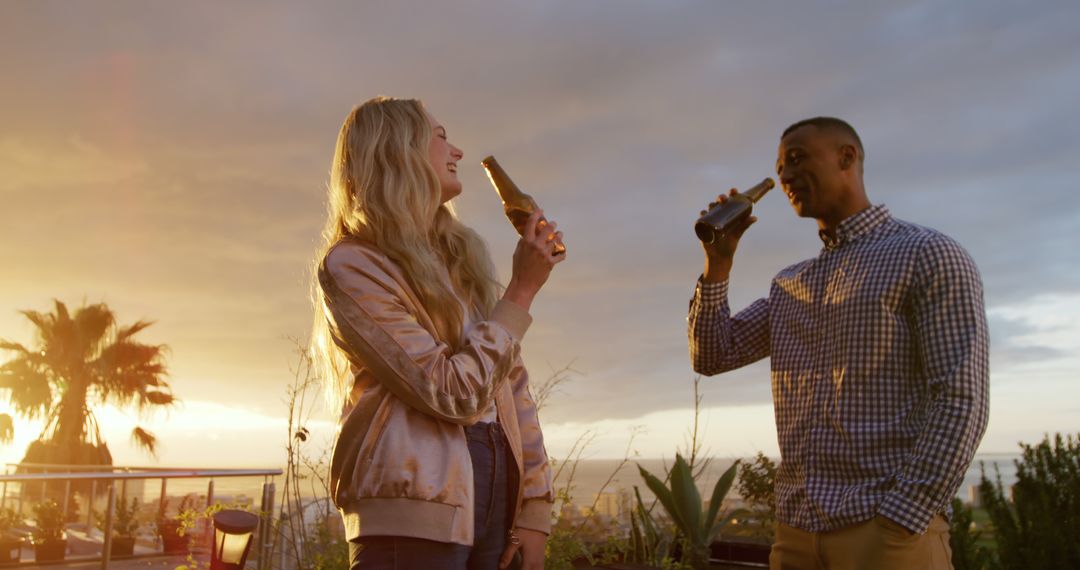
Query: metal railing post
[(163, 501), (106, 544), (67, 497), (207, 524), (90, 507), (266, 512)]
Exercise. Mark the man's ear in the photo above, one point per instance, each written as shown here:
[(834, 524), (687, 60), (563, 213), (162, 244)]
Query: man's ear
[(848, 154)]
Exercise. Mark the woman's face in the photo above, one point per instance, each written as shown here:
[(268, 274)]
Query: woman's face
[(444, 157)]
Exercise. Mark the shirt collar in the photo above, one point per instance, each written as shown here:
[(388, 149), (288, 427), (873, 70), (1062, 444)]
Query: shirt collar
[(856, 226)]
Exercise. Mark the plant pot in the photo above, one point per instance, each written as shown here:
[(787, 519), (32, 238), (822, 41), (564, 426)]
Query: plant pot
[(175, 544), (50, 550), (10, 549), (740, 551), (123, 546), (171, 541)]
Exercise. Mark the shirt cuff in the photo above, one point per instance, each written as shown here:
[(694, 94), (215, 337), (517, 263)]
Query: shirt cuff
[(711, 294), (512, 317), (907, 513)]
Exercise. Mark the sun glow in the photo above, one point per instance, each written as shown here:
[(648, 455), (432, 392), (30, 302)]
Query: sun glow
[(25, 431)]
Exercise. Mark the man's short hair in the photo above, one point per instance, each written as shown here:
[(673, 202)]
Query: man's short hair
[(830, 124)]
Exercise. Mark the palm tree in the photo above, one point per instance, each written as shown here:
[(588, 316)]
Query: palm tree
[(79, 361)]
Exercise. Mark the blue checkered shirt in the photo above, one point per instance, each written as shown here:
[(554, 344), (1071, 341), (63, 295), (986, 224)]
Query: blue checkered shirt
[(880, 371)]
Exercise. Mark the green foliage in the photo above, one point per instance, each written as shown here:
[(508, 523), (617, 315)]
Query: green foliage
[(650, 542), (180, 523), (1038, 528), (328, 550), (321, 544), (696, 526), (563, 547), (967, 553), (757, 484), (9, 519), (49, 517), (125, 519)]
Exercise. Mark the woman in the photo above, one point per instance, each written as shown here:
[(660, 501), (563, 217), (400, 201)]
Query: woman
[(439, 461)]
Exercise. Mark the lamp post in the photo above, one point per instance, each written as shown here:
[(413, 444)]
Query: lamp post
[(233, 530)]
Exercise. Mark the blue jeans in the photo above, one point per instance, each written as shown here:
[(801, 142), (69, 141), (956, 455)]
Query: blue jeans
[(491, 500)]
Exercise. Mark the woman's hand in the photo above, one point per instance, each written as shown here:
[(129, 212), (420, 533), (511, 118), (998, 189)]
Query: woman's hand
[(533, 260), (531, 543)]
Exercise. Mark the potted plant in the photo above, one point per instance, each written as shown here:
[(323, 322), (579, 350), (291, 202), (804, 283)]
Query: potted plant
[(50, 540), (10, 543), (124, 525), (751, 536), (697, 527), (173, 530)]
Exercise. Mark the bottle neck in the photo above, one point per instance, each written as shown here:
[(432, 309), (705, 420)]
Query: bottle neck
[(508, 191), (759, 190)]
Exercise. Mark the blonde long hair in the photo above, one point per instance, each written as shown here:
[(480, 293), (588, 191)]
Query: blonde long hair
[(384, 190)]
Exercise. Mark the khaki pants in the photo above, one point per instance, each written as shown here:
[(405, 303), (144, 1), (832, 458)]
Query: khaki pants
[(878, 544)]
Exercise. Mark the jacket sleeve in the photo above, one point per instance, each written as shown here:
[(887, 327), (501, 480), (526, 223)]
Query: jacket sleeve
[(372, 323), (537, 494)]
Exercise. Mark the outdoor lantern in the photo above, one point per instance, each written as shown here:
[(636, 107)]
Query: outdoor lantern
[(232, 539)]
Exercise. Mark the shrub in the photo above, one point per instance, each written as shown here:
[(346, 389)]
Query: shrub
[(1038, 528), (50, 521), (757, 484), (967, 553)]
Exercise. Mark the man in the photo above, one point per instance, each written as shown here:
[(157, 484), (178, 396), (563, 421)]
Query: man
[(879, 355)]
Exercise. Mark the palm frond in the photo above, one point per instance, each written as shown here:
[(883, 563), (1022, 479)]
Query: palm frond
[(61, 311), (127, 353), (92, 325), (156, 398), (145, 440), (122, 386), (131, 330), (13, 346), (43, 321), (7, 428), (30, 389)]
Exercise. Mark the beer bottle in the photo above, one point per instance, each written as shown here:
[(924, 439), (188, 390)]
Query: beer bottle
[(723, 217), (517, 205)]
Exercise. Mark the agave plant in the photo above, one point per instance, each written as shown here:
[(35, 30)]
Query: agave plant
[(648, 544), (697, 525)]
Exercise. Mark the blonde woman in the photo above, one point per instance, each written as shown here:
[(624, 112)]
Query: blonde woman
[(439, 460)]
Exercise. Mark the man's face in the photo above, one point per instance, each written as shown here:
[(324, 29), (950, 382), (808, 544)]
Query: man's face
[(808, 164)]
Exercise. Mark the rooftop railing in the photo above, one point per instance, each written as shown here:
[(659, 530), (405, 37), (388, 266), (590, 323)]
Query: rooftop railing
[(44, 481)]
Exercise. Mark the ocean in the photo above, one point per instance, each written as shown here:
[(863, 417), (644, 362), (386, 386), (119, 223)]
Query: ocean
[(591, 474), (589, 479)]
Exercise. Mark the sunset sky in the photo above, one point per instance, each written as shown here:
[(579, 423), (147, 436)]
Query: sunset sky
[(170, 159)]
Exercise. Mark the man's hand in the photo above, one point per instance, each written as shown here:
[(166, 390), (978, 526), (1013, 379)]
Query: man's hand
[(721, 252), (531, 543)]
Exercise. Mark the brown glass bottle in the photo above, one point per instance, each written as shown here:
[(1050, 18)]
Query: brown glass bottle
[(724, 216), (517, 205)]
